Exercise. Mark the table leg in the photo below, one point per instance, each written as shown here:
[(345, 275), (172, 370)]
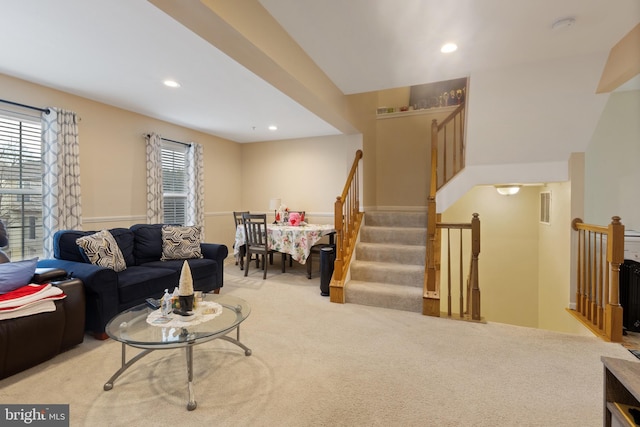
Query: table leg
[(192, 397), (124, 366), (236, 341)]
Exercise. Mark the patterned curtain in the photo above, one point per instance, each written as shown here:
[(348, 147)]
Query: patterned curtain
[(195, 185), (155, 213), (61, 204)]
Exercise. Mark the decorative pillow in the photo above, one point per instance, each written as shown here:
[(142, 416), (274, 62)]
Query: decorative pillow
[(101, 249), (14, 275), (180, 242)]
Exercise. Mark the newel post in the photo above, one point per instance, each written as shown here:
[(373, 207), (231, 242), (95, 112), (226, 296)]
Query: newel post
[(615, 257)]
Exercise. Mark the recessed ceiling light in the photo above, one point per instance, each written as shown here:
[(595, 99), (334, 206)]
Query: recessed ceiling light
[(449, 47), (171, 83), (563, 23), (273, 127)]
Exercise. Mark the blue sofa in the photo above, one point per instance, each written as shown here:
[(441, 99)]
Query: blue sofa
[(109, 292)]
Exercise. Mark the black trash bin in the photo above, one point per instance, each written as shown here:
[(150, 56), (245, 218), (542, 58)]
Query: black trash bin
[(327, 258)]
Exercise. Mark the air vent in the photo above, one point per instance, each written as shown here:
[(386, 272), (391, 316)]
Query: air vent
[(545, 207)]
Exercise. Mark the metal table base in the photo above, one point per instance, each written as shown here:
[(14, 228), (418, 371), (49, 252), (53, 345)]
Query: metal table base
[(191, 404)]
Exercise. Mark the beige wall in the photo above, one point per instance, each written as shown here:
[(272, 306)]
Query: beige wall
[(554, 263), (363, 115), (524, 264), (112, 160), (404, 157), (306, 174), (508, 261), (612, 169)]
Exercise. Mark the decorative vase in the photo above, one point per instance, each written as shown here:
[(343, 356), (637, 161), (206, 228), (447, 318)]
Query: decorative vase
[(186, 303)]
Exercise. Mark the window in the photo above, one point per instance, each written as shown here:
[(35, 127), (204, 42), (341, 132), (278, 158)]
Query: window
[(174, 182), (21, 184)]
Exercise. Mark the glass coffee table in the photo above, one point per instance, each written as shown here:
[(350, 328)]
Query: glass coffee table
[(144, 328)]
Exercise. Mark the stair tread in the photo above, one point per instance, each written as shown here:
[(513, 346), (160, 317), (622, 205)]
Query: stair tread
[(394, 227), (386, 295), (386, 265), (391, 287), (393, 245), (398, 246)]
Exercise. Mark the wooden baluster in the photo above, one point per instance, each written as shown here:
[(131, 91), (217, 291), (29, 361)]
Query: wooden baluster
[(461, 278), (601, 274), (579, 277), (475, 253)]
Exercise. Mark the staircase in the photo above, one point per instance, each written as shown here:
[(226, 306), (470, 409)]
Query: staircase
[(388, 269)]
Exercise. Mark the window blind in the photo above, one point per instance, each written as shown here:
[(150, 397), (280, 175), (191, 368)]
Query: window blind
[(21, 183), (174, 182)]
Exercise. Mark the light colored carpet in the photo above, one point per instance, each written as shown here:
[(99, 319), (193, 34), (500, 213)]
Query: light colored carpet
[(315, 363)]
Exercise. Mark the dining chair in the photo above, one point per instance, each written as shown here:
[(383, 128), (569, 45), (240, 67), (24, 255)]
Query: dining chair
[(237, 220), (255, 229)]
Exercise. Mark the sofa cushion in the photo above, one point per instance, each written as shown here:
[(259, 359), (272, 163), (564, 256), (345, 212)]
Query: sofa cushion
[(148, 242), (181, 242), (201, 268), (124, 239), (101, 249), (65, 246), (139, 282), (14, 275)]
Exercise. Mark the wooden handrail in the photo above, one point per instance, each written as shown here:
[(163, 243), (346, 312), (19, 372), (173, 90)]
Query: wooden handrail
[(451, 116), (447, 160), (348, 218), (447, 141), (600, 253), (469, 298)]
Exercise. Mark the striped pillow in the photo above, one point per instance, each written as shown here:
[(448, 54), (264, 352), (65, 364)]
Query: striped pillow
[(180, 242), (101, 249)]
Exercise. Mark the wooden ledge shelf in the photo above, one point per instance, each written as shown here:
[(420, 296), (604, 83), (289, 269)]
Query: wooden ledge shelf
[(437, 110)]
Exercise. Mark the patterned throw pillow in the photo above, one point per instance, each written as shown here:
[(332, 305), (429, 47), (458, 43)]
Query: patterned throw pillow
[(180, 242), (101, 249)]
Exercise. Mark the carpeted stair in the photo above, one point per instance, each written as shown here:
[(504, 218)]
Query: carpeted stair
[(388, 269)]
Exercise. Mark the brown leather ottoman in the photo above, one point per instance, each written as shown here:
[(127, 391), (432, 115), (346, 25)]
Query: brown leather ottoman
[(28, 341)]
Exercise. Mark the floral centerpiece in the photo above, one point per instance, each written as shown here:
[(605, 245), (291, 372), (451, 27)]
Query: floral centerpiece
[(295, 218)]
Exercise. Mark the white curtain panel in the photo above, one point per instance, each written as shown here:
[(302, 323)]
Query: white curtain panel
[(195, 177), (155, 213), (61, 202)]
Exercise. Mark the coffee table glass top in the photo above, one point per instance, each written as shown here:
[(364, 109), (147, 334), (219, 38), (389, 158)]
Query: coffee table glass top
[(130, 327)]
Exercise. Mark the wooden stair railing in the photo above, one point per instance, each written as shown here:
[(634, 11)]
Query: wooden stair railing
[(447, 160), (600, 253), (469, 298), (348, 219), (450, 147)]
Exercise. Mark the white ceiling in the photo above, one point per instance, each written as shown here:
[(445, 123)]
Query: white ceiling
[(119, 52)]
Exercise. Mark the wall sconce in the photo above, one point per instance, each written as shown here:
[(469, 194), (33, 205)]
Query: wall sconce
[(507, 190), (275, 205)]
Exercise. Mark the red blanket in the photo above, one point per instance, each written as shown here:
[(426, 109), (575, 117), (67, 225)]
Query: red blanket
[(29, 299)]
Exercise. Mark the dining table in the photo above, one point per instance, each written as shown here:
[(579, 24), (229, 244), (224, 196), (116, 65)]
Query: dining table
[(294, 240)]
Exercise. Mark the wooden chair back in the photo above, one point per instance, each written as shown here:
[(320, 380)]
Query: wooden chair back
[(255, 231), (237, 217), (255, 228)]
